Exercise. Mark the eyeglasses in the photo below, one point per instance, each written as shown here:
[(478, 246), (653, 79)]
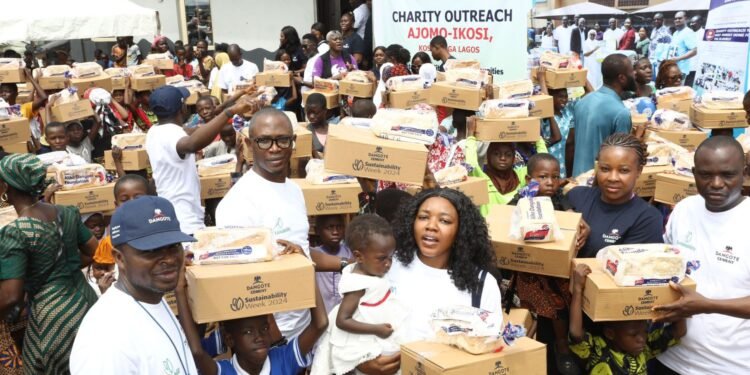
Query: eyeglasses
[(282, 142)]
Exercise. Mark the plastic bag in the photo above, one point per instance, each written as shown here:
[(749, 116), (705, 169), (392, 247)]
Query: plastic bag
[(643, 264), (684, 164), (217, 165), (662, 152), (317, 175), (520, 89), (357, 76), (143, 70), (233, 246), (667, 119), (534, 220), (86, 70), (554, 61), (408, 125), (406, 83), (80, 176), (467, 77), (643, 107), (129, 141), (451, 175), (471, 329), (504, 108), (722, 100), (675, 93)]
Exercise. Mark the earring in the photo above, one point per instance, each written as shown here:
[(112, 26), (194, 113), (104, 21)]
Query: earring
[(4, 198)]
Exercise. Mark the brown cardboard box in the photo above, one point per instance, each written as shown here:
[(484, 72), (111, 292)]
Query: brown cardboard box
[(224, 292), (273, 79), (82, 84), (475, 188), (24, 93), (215, 186), (147, 83), (689, 139), (120, 83), (645, 186), (525, 356), (332, 99), (603, 300), (717, 118), (639, 120), (16, 148), (297, 167), (448, 95), (520, 317), (12, 75), (543, 106), (132, 160), (195, 95), (357, 89), (326, 85), (682, 106), (330, 199), (165, 64), (14, 130), (526, 129), (671, 188), (358, 152), (77, 110), (547, 258), (52, 83), (562, 79), (171, 299), (88, 200), (408, 99)]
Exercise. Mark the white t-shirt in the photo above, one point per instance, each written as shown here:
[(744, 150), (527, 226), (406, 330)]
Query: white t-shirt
[(548, 42), (361, 15), (176, 178), (694, 61), (118, 337), (716, 244), (612, 38), (307, 76), (562, 35), (84, 149), (230, 74), (256, 202), (425, 289)]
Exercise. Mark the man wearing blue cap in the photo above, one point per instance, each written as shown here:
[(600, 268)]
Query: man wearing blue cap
[(131, 329), (171, 151)]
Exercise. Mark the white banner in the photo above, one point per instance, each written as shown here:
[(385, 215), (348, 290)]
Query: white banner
[(490, 31)]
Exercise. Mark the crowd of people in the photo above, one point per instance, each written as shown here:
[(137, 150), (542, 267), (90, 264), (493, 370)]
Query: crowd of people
[(84, 294)]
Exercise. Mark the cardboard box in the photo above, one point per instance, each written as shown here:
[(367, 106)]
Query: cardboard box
[(165, 64), (195, 95), (14, 130), (562, 79), (77, 110), (82, 84), (525, 356), (120, 83), (88, 200), (645, 186), (475, 188), (297, 167), (12, 75), (330, 199), (689, 139), (215, 186), (519, 316), (358, 152), (671, 188), (16, 148), (224, 292), (357, 89), (682, 106), (546, 258), (544, 107), (171, 299), (448, 95), (604, 301), (273, 79), (332, 99), (717, 118), (52, 83), (408, 99), (132, 160), (147, 83), (526, 129), (639, 120)]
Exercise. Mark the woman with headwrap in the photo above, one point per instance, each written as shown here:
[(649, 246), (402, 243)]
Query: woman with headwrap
[(41, 256), (160, 46), (220, 59)]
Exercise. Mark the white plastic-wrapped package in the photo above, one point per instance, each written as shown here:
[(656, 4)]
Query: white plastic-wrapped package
[(661, 151), (159, 56), (521, 89), (472, 330), (357, 122), (11, 63), (667, 119), (534, 220), (409, 125), (7, 215), (55, 71), (467, 77), (504, 108), (643, 264), (175, 79), (233, 246), (722, 99), (191, 85), (80, 176), (317, 175), (451, 175), (86, 70), (357, 76), (326, 85), (405, 83), (461, 64), (117, 72), (56, 158), (143, 70), (129, 141), (7, 111), (69, 95), (267, 94), (274, 66), (217, 165), (684, 164), (554, 61), (675, 93), (640, 107)]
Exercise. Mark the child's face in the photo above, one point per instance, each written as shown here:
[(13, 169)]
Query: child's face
[(75, 133), (330, 231), (100, 269), (205, 109), (249, 338), (547, 174), (57, 138), (628, 337), (8, 95), (229, 135), (501, 156), (560, 100), (119, 96), (130, 190), (377, 258), (96, 225), (315, 114), (286, 59), (643, 72), (180, 55)]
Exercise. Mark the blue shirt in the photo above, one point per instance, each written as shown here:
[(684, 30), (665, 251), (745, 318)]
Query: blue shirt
[(683, 41), (285, 360), (597, 116), (565, 121)]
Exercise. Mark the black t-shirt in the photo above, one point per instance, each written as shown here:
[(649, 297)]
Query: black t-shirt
[(298, 59), (631, 223), (354, 44)]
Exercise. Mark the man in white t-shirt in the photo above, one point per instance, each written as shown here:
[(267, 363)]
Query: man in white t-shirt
[(238, 71), (361, 15), (310, 47), (612, 36), (711, 230), (131, 329), (563, 34), (171, 151)]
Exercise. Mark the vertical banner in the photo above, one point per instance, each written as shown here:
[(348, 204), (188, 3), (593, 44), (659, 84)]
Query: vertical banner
[(723, 52), (490, 31)]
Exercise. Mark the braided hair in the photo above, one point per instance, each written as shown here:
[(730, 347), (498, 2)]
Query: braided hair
[(626, 140)]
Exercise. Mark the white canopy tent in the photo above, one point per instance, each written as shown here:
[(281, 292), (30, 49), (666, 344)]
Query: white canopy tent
[(676, 6), (582, 9), (46, 20)]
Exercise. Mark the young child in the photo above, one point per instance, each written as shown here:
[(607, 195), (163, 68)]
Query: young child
[(363, 108), (204, 112), (56, 137), (317, 118), (330, 231), (143, 117), (286, 97), (623, 347), (95, 223), (226, 145), (182, 67), (79, 142), (368, 312), (127, 187), (101, 273)]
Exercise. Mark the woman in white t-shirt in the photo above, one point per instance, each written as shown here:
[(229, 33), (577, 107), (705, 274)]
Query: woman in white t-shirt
[(442, 258), (548, 40)]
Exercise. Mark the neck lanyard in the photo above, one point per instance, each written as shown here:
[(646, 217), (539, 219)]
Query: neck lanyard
[(174, 346)]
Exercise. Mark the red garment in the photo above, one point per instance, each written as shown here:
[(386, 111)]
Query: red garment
[(183, 70), (628, 40), (128, 120), (399, 70)]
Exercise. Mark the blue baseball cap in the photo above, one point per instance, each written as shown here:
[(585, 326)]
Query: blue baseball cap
[(147, 223), (167, 100)]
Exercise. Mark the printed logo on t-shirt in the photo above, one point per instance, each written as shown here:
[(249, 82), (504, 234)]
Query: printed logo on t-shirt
[(169, 368), (726, 255), (280, 228), (612, 237), (686, 241)]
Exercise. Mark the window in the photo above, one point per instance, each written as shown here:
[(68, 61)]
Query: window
[(198, 21)]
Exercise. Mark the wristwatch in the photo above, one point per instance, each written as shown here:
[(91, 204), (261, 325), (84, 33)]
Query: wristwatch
[(344, 263)]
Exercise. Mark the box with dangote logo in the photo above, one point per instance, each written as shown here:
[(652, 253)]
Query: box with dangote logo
[(330, 199), (454, 96), (88, 200), (233, 291)]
